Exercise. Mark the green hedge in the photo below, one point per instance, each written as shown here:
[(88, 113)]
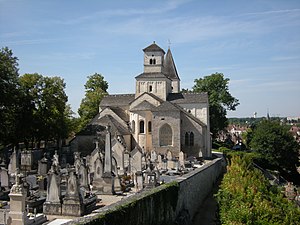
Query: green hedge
[(246, 197)]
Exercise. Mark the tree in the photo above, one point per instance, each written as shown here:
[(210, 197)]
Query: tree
[(9, 95), (95, 89), (44, 107), (220, 100), (276, 145)]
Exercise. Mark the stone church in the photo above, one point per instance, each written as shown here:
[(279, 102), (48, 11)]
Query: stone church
[(158, 117)]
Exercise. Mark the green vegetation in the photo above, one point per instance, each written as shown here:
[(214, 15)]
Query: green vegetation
[(33, 107), (245, 196), (220, 100), (95, 89), (276, 146)]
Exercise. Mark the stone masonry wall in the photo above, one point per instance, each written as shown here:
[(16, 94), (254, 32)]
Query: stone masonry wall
[(172, 203)]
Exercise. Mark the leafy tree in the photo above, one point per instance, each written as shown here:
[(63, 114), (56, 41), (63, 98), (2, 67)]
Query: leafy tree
[(43, 107), (245, 196), (9, 95), (95, 89), (220, 100), (276, 145)]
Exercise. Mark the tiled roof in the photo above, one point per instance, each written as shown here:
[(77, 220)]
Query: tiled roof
[(151, 75), (121, 113), (169, 67), (166, 106), (116, 127), (153, 48), (182, 98), (117, 100), (144, 105)]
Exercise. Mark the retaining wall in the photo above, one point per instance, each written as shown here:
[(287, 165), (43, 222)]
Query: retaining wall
[(172, 203)]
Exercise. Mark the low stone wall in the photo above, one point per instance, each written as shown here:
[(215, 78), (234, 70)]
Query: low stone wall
[(172, 203)]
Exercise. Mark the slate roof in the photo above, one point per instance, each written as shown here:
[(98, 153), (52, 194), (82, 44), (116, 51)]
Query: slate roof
[(166, 106), (116, 127), (169, 67), (121, 113), (153, 48), (117, 100), (151, 75), (144, 105), (183, 98)]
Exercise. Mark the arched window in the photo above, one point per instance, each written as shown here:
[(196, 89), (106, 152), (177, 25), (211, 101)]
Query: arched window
[(150, 88), (191, 139), (133, 126), (154, 61), (150, 61), (186, 139), (142, 127), (165, 135), (149, 127)]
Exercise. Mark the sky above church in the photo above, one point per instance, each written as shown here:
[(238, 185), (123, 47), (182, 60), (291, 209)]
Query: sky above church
[(255, 44)]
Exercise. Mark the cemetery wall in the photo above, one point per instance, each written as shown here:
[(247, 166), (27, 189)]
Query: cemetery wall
[(172, 203)]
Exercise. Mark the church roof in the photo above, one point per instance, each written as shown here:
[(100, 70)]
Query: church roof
[(166, 106), (117, 100), (121, 113), (183, 98), (144, 105), (116, 127), (169, 67), (153, 48), (151, 75)]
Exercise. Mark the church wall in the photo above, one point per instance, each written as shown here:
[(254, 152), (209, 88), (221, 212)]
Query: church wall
[(198, 148), (173, 119), (199, 110), (175, 86), (143, 139)]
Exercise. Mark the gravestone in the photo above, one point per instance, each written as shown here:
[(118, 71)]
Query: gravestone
[(77, 161), (98, 171), (43, 166), (159, 162), (170, 163), (17, 213), (4, 177), (72, 203), (32, 181), (26, 160), (13, 163), (181, 160), (52, 206), (153, 156), (136, 160)]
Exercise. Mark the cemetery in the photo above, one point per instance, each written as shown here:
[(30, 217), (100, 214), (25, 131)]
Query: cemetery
[(36, 188)]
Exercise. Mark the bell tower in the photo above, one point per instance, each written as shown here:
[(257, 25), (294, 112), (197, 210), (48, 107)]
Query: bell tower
[(153, 59)]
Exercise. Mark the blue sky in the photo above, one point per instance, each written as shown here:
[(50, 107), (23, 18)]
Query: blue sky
[(256, 44)]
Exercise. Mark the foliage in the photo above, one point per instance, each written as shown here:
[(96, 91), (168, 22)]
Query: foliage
[(9, 95), (95, 89), (276, 145), (220, 100), (245, 196)]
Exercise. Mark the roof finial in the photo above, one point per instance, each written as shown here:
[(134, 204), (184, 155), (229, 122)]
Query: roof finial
[(153, 42), (169, 43)]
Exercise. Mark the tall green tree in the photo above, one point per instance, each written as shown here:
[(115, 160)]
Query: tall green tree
[(276, 145), (95, 89), (9, 95), (220, 99), (44, 107)]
